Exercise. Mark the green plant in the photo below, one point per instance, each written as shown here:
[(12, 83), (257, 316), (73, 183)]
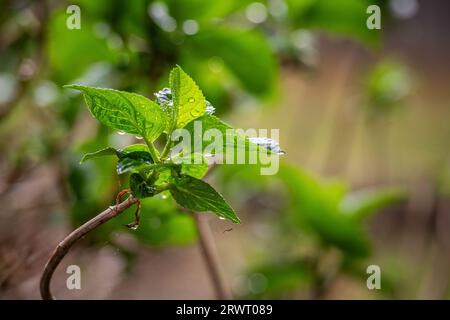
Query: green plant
[(151, 172)]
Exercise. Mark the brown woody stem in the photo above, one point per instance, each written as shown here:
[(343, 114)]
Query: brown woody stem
[(64, 246), (209, 252)]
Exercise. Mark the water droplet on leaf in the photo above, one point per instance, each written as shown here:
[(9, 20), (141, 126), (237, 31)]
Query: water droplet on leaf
[(196, 113), (268, 143), (164, 96), (121, 133), (209, 108)]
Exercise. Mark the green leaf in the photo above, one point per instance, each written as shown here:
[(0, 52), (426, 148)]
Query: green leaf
[(131, 165), (124, 111), (131, 158), (213, 84), (362, 203), (188, 100), (206, 122), (233, 140), (193, 165), (195, 194), (139, 188), (136, 151), (138, 147), (100, 153)]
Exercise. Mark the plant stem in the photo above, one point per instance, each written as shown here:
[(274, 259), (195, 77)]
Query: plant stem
[(209, 253), (163, 187), (64, 246), (167, 148), (152, 150)]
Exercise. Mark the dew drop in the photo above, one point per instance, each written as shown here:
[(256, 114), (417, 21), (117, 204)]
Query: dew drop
[(164, 196), (195, 113), (221, 218), (121, 133), (139, 137), (269, 144), (191, 100), (209, 108)]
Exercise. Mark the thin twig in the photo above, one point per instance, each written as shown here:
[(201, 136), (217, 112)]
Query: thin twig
[(65, 245), (209, 252)]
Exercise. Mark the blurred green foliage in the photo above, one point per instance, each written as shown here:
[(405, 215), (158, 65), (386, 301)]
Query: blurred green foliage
[(332, 212), (341, 17), (281, 280), (325, 210), (387, 85)]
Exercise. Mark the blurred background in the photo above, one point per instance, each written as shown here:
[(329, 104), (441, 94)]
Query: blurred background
[(363, 116)]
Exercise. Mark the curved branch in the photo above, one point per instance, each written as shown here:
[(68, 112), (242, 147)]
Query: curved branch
[(209, 253), (64, 246)]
